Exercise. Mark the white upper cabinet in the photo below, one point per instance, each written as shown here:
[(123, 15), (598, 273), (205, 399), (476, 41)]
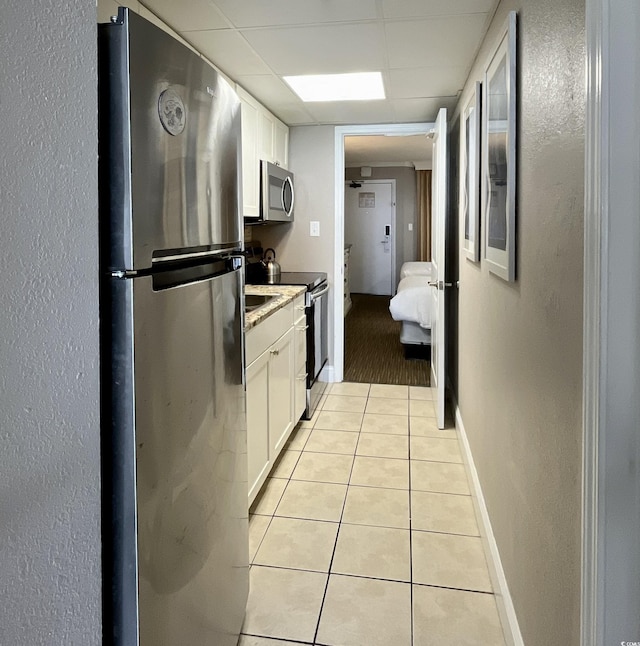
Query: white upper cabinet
[(250, 165), (264, 136), (281, 144)]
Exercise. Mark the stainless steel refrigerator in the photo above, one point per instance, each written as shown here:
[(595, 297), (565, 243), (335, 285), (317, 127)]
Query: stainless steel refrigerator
[(175, 557)]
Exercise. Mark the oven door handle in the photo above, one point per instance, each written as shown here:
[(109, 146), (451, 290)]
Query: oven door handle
[(314, 296)]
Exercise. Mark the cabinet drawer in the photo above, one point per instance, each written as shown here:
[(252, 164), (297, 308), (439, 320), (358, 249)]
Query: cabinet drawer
[(260, 337)]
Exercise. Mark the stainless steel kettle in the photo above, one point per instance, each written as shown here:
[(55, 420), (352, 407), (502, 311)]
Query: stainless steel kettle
[(270, 264)]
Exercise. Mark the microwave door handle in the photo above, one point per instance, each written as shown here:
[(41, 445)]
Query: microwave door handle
[(288, 211)]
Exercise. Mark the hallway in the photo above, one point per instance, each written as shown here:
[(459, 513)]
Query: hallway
[(366, 533)]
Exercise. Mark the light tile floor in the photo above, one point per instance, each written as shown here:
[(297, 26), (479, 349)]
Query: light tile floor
[(365, 533)]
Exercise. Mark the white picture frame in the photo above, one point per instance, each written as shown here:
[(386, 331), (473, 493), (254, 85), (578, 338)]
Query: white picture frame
[(499, 156), (470, 174)]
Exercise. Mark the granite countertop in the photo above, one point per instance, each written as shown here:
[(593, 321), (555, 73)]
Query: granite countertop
[(287, 294)]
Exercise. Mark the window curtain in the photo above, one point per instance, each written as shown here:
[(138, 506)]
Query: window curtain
[(423, 178)]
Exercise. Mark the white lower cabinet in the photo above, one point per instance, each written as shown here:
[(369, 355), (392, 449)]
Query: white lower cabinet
[(258, 423), (276, 356), (281, 420)]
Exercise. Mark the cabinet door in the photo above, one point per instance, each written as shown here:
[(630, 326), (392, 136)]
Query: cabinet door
[(281, 391), (250, 163), (265, 135), (258, 423), (281, 143)]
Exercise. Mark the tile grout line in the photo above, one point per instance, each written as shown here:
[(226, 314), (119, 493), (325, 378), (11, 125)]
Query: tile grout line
[(410, 525), (341, 521), (335, 545), (272, 515)]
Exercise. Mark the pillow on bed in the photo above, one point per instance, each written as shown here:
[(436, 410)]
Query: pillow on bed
[(415, 269)]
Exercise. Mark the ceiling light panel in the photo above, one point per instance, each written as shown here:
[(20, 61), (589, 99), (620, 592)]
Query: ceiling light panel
[(262, 13), (363, 86)]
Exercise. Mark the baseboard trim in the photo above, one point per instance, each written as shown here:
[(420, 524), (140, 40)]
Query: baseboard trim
[(328, 374), (506, 611)]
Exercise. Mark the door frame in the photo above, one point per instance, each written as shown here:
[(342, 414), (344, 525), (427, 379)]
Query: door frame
[(611, 375), (438, 283), (393, 220), (336, 372)]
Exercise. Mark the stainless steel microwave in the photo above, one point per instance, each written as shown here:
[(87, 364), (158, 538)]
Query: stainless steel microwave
[(277, 196)]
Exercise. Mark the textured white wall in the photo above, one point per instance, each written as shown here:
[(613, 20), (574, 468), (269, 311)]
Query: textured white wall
[(49, 399), (520, 344)]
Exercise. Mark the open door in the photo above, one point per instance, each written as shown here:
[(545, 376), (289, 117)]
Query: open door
[(438, 246)]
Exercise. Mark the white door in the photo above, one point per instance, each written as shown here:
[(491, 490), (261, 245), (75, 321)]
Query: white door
[(438, 242), (369, 221)]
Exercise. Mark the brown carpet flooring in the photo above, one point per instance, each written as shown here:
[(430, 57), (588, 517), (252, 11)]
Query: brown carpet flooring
[(373, 352)]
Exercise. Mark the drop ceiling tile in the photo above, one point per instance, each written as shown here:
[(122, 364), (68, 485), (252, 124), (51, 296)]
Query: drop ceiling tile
[(293, 114), (151, 17), (417, 8), (268, 88), (415, 110), (229, 51), (449, 41), (196, 15), (259, 13), (423, 82), (320, 49), (132, 4), (277, 97), (106, 9), (347, 112)]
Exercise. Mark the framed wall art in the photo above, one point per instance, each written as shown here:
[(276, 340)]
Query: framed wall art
[(499, 156), (470, 174)]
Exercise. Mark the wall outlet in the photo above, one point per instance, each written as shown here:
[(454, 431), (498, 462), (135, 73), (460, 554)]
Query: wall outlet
[(410, 226), (314, 228)]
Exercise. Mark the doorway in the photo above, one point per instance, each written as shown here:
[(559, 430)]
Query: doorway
[(341, 132), (369, 227)]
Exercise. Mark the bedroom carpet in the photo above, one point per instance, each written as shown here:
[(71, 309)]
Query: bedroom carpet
[(373, 352)]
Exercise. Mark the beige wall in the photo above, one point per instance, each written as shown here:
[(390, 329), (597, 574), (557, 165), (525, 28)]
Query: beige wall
[(520, 344), (311, 158)]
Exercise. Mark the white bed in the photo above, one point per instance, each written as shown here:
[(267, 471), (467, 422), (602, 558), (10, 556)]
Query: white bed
[(415, 269), (412, 306)]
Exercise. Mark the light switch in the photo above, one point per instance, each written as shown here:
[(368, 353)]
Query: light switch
[(314, 228), (410, 226)]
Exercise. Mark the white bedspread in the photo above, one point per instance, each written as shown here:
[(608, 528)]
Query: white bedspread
[(413, 301)]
